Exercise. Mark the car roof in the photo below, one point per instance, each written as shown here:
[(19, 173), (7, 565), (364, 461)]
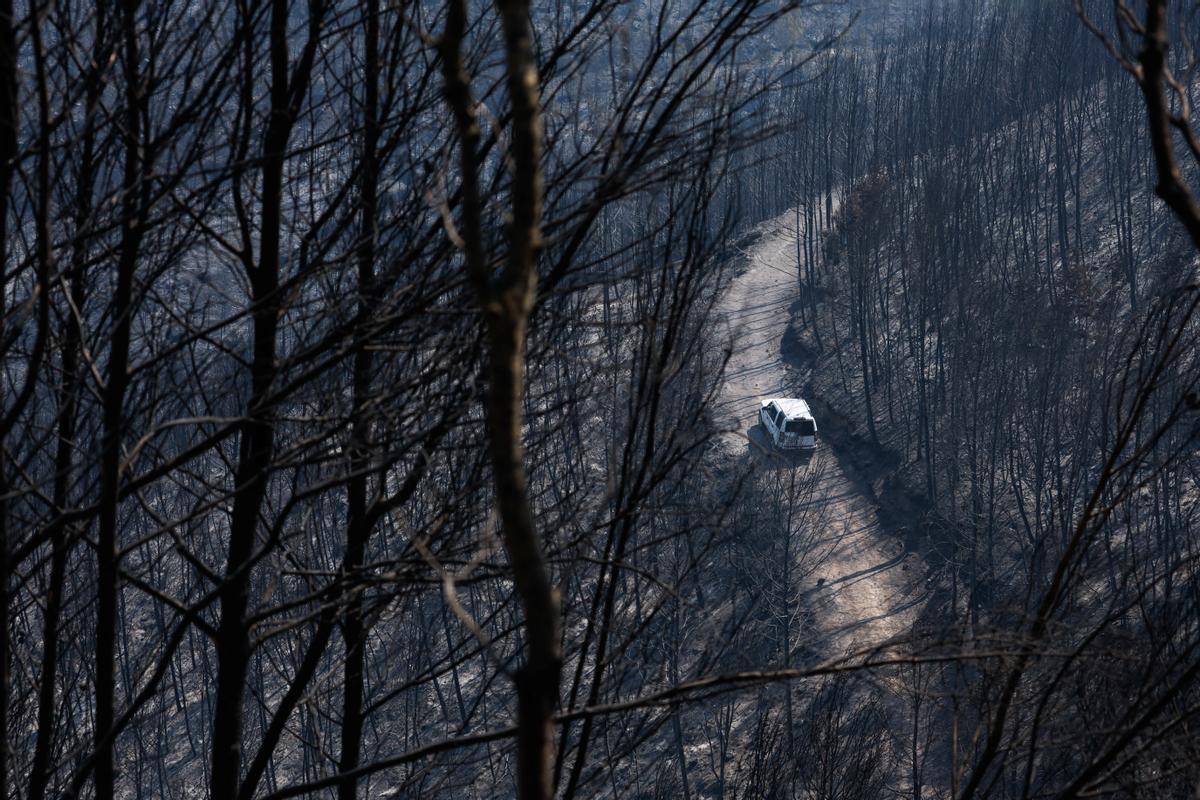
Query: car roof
[(792, 407)]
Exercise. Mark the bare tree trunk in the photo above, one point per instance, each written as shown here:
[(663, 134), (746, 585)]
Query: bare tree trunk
[(39, 294), (1153, 81), (64, 459), (257, 435), (506, 300), (358, 527), (8, 153), (132, 231)]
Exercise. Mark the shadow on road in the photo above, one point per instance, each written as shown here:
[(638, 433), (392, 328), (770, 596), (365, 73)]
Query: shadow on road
[(765, 455)]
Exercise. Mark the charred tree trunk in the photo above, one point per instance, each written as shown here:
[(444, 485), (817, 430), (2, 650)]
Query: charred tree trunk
[(256, 446), (358, 526), (506, 300), (8, 154), (132, 231), (64, 459)]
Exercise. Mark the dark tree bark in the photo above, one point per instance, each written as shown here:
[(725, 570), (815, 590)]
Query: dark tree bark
[(8, 153), (134, 191), (59, 533), (256, 445), (358, 528), (506, 300)]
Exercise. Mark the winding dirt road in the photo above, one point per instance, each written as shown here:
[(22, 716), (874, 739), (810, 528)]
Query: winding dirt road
[(862, 587)]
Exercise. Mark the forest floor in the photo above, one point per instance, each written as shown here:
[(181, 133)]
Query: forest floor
[(861, 583)]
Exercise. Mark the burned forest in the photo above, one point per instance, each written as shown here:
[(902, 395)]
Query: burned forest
[(697, 399)]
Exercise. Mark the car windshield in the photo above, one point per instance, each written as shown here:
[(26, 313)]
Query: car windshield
[(804, 427)]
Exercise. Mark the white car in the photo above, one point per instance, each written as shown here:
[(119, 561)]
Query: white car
[(789, 423)]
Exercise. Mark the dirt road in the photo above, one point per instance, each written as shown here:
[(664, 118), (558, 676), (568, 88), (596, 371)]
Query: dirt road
[(863, 588)]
